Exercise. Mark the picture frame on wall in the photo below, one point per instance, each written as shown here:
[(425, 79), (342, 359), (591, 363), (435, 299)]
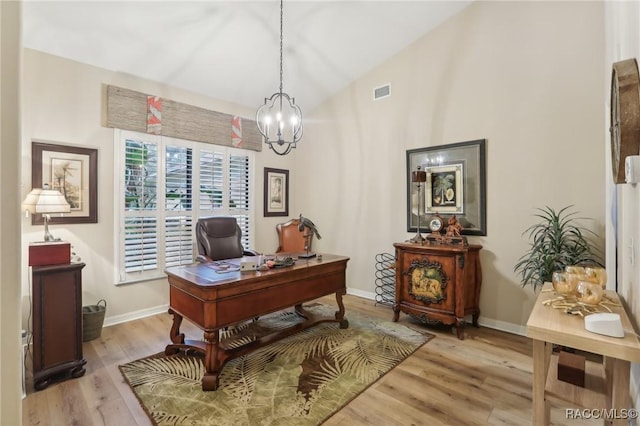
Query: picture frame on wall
[(74, 172), (455, 185), (276, 192)]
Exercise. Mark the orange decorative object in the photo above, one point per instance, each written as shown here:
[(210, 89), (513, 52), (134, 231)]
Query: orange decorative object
[(154, 114), (597, 274), (573, 269), (236, 131), (563, 283), (589, 293)]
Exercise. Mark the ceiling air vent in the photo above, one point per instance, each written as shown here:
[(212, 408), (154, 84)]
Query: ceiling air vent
[(382, 92)]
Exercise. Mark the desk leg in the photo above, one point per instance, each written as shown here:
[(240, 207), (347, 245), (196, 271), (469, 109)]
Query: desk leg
[(541, 359), (174, 333), (211, 362), (619, 370)]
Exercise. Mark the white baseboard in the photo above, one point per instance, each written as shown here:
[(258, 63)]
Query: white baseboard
[(130, 316), (494, 324), (361, 293), (503, 326)]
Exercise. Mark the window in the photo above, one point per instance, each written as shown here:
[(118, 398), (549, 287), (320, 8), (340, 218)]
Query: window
[(164, 186)]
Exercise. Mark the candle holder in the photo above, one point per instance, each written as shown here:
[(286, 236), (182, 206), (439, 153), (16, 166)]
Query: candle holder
[(418, 177)]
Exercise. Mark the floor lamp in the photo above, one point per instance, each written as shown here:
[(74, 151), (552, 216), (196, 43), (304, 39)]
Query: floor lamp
[(418, 177)]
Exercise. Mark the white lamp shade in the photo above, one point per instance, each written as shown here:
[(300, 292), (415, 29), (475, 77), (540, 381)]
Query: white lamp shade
[(45, 201)]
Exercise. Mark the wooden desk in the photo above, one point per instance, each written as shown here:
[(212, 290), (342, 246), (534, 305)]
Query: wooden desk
[(547, 326), (213, 300)]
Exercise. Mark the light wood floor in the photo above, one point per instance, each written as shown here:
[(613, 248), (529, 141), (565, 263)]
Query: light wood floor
[(482, 380)]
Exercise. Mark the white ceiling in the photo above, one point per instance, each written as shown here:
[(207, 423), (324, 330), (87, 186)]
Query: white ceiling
[(229, 50)]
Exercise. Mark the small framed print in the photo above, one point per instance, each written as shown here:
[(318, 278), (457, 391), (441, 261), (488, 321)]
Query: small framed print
[(276, 192), (444, 189)]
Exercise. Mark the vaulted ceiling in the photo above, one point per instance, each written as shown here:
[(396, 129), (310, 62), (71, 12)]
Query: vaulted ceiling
[(230, 50)]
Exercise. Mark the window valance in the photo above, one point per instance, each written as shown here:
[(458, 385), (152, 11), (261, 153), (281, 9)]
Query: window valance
[(130, 110)]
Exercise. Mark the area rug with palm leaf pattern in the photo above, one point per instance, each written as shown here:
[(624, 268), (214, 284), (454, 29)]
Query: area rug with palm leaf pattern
[(300, 380)]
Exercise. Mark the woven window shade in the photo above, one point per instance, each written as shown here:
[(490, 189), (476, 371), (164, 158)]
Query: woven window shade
[(127, 109)]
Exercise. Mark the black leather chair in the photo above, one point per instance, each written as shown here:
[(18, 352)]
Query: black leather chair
[(218, 237)]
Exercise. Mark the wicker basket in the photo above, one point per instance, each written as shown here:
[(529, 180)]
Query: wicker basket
[(92, 320)]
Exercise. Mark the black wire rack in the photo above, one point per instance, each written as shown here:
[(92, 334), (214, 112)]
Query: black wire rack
[(385, 278)]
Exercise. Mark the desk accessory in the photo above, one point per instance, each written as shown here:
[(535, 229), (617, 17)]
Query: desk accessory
[(248, 265), (311, 229)]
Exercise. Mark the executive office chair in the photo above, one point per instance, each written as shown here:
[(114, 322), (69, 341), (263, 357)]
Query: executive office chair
[(290, 238), (218, 237)]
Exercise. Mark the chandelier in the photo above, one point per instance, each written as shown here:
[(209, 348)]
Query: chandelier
[(279, 119)]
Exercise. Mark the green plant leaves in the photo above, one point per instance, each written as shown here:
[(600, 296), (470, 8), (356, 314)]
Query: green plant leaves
[(556, 241)]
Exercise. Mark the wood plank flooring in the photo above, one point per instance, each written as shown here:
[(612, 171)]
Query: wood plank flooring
[(482, 380)]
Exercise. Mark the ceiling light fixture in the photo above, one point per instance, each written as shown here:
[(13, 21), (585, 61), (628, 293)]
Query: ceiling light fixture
[(279, 119)]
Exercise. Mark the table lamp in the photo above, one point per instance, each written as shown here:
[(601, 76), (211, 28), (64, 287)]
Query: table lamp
[(418, 177), (46, 201)]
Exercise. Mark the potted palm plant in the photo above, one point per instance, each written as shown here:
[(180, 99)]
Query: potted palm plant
[(556, 241)]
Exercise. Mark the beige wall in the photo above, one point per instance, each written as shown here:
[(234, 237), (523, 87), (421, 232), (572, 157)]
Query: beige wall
[(10, 292), (528, 77), (63, 100), (623, 200)]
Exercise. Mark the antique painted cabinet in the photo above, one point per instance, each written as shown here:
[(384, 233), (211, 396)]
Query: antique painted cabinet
[(438, 283)]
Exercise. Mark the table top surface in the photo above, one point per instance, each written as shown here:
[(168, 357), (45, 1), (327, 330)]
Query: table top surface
[(554, 326), (227, 271), (438, 247)]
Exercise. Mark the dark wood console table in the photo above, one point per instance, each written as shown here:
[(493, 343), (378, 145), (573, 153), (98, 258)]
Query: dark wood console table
[(213, 298), (438, 283)]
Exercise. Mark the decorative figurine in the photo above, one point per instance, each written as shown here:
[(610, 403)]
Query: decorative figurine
[(454, 228)]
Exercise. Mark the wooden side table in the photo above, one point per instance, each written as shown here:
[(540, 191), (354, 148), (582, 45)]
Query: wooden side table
[(548, 326), (438, 283), (57, 323)]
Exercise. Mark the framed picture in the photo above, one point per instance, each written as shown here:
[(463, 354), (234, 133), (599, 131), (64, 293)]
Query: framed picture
[(455, 185), (276, 192), (71, 170), (444, 190)]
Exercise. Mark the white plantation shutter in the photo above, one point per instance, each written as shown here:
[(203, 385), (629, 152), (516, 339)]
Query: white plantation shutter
[(166, 185), (140, 176), (178, 201), (239, 195), (178, 240), (211, 180), (140, 244)]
